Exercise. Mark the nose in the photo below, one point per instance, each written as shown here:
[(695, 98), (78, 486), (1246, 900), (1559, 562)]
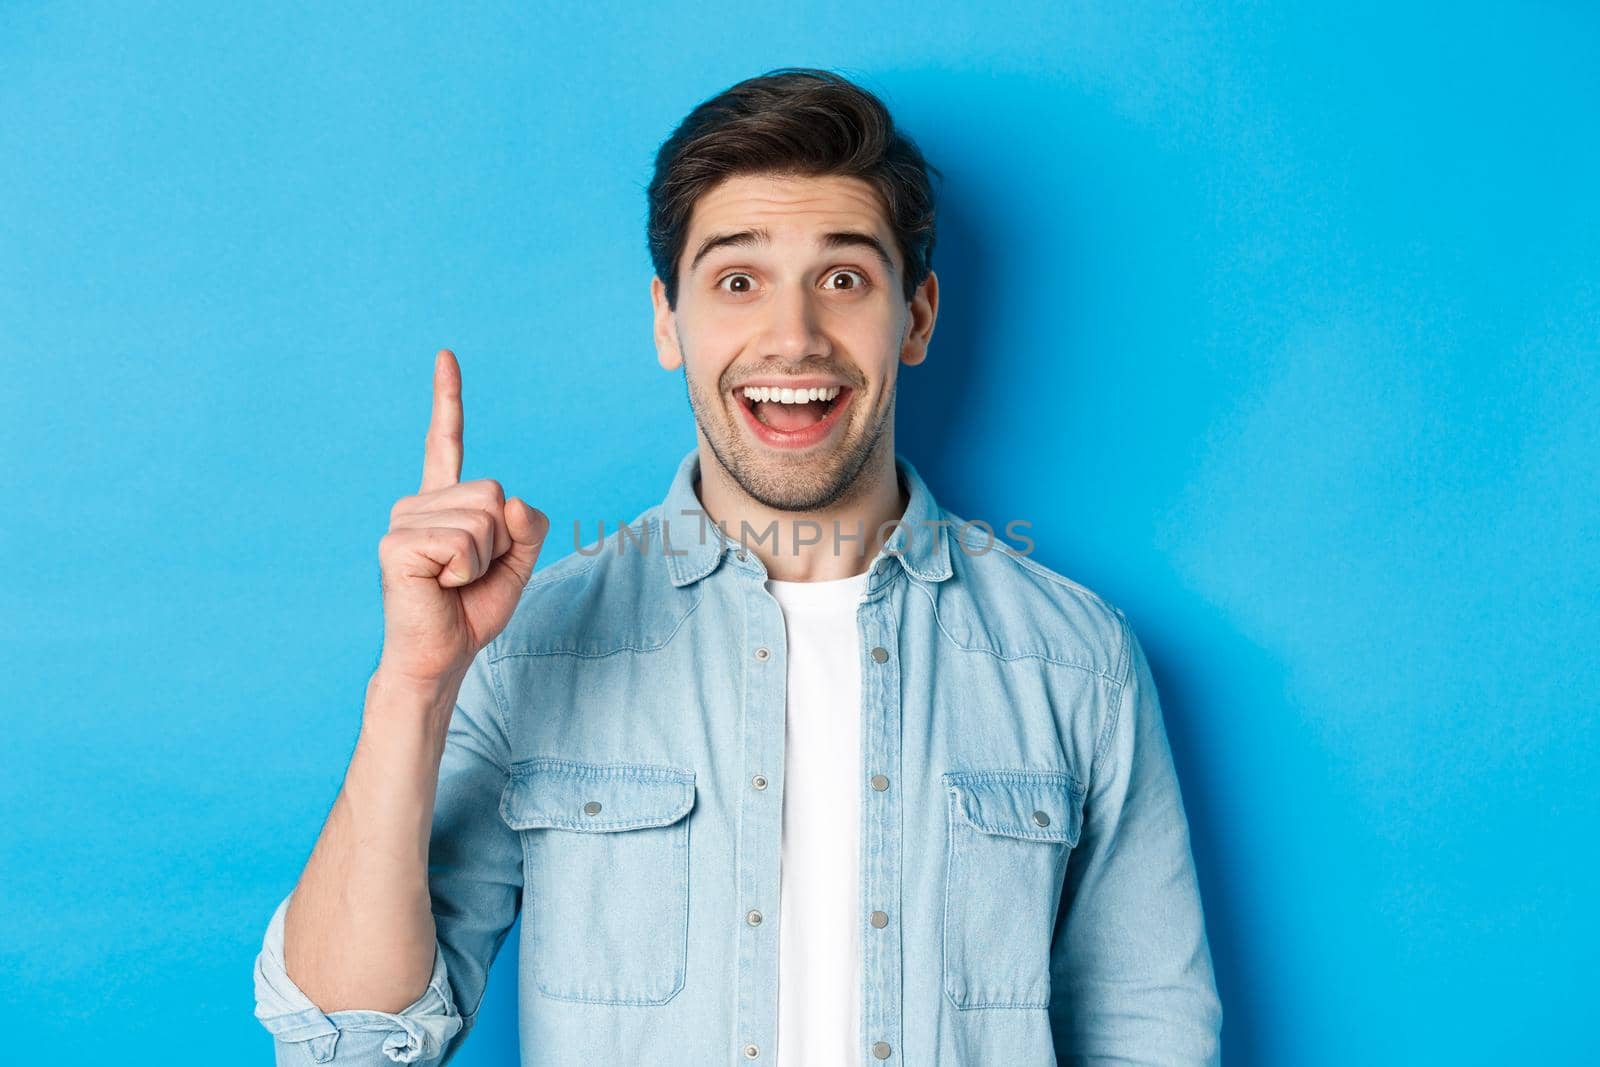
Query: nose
[(793, 328)]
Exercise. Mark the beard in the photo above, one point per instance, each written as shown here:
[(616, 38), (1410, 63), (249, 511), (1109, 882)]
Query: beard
[(813, 484)]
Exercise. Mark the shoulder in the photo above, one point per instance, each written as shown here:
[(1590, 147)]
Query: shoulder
[(610, 595), (1002, 601)]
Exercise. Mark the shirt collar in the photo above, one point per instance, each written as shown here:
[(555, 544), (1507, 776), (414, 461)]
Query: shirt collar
[(920, 541)]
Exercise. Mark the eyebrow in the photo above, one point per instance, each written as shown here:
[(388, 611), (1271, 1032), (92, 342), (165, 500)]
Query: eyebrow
[(759, 236)]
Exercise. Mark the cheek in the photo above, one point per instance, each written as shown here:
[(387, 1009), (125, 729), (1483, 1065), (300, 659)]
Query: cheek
[(867, 327), (710, 348), (873, 345), (706, 331)]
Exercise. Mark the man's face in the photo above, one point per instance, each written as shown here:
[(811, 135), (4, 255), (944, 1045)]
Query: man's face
[(792, 283)]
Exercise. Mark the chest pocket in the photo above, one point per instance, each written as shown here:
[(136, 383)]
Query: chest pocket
[(605, 851), (1010, 836)]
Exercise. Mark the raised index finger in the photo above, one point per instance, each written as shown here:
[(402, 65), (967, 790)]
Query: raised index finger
[(441, 456)]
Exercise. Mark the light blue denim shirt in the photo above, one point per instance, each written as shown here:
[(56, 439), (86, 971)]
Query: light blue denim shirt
[(614, 773)]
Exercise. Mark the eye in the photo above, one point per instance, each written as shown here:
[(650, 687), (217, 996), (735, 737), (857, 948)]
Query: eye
[(859, 280), (744, 283)]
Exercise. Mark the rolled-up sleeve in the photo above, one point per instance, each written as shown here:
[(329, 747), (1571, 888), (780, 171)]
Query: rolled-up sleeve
[(1132, 979), (475, 884), (304, 1034)]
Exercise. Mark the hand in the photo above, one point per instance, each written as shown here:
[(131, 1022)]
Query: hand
[(456, 557)]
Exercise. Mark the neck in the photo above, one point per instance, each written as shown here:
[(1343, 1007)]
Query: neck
[(776, 536)]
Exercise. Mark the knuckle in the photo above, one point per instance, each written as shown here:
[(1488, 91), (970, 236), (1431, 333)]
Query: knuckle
[(439, 435), (493, 492), (463, 541)]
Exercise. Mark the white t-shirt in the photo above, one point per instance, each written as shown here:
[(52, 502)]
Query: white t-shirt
[(819, 936)]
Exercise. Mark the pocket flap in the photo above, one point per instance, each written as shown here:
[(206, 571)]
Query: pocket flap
[(572, 795), (1037, 805)]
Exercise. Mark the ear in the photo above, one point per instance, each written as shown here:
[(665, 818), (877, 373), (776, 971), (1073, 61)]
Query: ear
[(919, 330), (667, 351)]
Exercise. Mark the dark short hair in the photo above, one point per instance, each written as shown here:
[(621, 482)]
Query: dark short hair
[(792, 121)]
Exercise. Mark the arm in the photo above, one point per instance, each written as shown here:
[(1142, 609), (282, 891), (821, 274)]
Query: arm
[(414, 878), (364, 942), (1131, 971)]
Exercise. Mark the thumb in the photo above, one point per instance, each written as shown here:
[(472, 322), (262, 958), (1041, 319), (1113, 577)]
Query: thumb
[(528, 527)]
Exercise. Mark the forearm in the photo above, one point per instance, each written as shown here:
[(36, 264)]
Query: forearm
[(359, 930)]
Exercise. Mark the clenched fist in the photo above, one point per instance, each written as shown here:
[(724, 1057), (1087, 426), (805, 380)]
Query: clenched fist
[(456, 557)]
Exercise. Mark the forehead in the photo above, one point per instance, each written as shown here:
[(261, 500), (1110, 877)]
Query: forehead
[(790, 208)]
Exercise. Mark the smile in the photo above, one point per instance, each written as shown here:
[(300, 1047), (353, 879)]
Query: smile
[(793, 416)]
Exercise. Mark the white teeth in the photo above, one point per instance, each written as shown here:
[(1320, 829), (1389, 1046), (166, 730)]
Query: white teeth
[(790, 396)]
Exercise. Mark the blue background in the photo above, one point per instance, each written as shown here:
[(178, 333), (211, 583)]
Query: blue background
[(1281, 329)]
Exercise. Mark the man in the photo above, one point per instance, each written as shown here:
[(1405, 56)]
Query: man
[(799, 768)]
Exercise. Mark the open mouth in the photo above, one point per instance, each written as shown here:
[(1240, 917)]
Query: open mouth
[(793, 418), (791, 410)]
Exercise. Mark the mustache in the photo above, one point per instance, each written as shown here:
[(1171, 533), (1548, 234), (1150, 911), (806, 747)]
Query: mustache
[(849, 375)]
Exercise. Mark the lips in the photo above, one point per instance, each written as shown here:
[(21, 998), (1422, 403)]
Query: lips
[(794, 425)]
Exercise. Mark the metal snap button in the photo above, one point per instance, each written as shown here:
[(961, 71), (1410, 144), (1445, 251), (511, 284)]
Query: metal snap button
[(759, 781), (880, 653), (880, 782), (881, 1049), (592, 808), (1041, 818), (751, 1052), (753, 918), (880, 919), (763, 652)]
